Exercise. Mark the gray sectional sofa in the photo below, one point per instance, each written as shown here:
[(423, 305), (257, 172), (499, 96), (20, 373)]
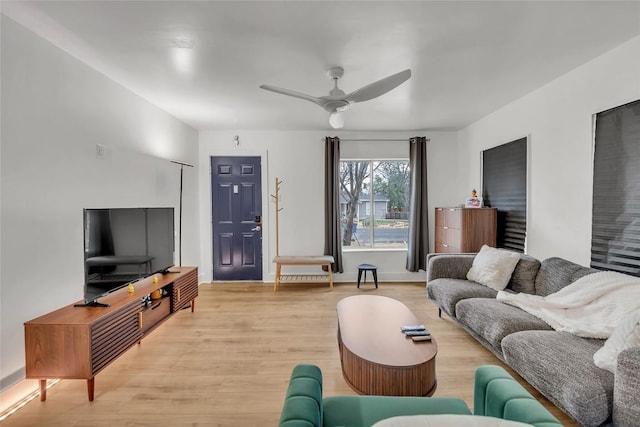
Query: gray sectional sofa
[(558, 364)]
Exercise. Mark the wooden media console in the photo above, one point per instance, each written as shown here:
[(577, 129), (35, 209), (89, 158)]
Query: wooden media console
[(78, 342)]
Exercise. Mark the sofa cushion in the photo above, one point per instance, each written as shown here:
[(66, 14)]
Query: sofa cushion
[(523, 278), (493, 320), (493, 267), (447, 292), (556, 273), (560, 365)]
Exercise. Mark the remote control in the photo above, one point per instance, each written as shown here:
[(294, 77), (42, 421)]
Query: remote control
[(418, 338), (412, 328), (417, 333)]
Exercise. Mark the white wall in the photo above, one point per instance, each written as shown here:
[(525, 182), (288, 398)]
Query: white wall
[(55, 110), (558, 119), (296, 158)]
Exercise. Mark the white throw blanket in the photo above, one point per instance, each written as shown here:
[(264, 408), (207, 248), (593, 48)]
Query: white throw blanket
[(590, 307)]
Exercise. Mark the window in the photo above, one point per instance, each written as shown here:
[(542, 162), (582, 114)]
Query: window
[(374, 197), (615, 234), (504, 186)]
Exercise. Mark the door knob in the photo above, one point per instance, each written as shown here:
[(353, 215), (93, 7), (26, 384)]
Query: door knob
[(256, 228)]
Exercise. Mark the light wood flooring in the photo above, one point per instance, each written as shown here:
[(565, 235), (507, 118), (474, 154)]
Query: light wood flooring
[(228, 363)]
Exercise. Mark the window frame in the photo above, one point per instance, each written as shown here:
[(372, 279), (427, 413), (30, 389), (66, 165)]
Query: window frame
[(371, 206)]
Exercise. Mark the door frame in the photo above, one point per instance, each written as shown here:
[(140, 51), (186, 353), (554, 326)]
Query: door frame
[(266, 210)]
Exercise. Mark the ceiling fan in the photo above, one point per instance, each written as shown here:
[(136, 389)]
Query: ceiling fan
[(337, 102)]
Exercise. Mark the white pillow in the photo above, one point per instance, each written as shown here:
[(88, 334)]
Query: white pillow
[(447, 420), (625, 335), (493, 267)]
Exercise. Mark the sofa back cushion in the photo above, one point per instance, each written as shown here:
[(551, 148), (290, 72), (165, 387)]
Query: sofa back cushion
[(556, 273), (303, 401), (523, 278)]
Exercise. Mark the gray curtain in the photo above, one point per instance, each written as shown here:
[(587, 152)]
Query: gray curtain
[(418, 244), (332, 238)]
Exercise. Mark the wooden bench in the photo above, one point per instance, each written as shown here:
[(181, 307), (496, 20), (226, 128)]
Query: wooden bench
[(323, 261)]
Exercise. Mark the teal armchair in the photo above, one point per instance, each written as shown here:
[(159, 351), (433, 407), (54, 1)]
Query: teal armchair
[(496, 394)]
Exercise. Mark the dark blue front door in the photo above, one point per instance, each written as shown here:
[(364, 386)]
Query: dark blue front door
[(236, 213)]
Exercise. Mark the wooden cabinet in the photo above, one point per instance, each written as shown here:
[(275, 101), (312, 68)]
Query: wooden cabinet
[(464, 229), (78, 342)]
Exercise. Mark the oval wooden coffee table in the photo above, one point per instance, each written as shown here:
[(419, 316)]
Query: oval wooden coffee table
[(376, 357)]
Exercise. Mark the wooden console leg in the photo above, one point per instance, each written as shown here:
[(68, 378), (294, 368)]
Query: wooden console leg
[(43, 390), (90, 387), (193, 305)]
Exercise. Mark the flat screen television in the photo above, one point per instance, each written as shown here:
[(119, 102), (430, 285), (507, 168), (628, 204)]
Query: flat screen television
[(123, 245)]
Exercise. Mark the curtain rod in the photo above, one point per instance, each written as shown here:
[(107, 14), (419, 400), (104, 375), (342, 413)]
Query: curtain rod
[(374, 139)]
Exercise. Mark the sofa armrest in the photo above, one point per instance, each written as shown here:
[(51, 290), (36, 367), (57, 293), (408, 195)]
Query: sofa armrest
[(449, 266), (303, 401), (626, 399), (498, 394)]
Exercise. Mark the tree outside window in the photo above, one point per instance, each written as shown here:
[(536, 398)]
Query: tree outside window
[(374, 198)]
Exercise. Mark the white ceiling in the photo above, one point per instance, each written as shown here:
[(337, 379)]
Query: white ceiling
[(468, 58)]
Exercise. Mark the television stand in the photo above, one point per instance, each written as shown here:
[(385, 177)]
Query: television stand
[(78, 342)]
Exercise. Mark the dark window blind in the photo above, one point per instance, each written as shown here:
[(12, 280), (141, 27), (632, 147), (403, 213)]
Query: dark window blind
[(615, 232), (504, 186)]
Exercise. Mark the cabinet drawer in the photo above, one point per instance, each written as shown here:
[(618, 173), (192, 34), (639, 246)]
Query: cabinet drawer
[(153, 314), (439, 217), (453, 236), (445, 248), (453, 218), (449, 236)]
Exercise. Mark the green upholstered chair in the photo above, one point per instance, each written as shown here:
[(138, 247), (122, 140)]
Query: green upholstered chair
[(496, 394)]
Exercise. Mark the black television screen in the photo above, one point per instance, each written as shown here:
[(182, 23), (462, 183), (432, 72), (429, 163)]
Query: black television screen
[(122, 245)]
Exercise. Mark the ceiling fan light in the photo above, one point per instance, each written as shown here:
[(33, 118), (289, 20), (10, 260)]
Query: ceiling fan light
[(336, 120)]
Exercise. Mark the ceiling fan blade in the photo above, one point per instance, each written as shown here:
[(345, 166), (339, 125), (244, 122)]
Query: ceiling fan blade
[(293, 93), (378, 88)]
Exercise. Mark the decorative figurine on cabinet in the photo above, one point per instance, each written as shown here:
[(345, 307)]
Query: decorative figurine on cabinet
[(474, 201)]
